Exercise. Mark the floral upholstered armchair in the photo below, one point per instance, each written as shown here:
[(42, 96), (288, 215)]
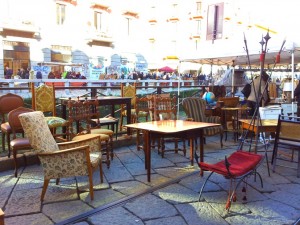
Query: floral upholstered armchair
[(60, 160)]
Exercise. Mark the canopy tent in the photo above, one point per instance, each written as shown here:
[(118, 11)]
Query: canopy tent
[(242, 60), (289, 55)]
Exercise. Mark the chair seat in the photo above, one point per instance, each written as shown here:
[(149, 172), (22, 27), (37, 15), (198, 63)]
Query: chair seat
[(20, 143), (54, 121), (105, 121), (5, 127), (143, 114), (289, 143), (103, 137), (241, 163), (210, 131), (102, 131)]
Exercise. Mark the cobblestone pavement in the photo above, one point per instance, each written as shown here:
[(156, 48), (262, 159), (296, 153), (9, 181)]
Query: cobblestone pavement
[(177, 203)]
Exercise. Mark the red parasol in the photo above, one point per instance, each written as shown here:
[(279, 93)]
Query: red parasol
[(166, 69)]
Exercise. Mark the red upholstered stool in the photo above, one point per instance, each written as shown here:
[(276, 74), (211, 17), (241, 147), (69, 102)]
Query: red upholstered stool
[(238, 166)]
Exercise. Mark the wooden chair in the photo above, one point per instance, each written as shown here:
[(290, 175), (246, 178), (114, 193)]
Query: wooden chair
[(85, 115), (128, 91), (195, 111), (287, 141), (228, 117), (165, 108), (43, 99), (143, 109), (8, 102), (62, 160), (18, 143)]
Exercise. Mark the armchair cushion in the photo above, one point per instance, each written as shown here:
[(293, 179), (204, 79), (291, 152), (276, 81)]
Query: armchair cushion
[(68, 162), (213, 119), (54, 121)]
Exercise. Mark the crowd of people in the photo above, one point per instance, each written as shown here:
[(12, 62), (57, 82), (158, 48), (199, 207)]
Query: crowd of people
[(201, 78), (65, 75)]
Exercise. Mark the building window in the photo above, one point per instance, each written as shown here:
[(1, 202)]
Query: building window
[(98, 21), (215, 22), (60, 14)]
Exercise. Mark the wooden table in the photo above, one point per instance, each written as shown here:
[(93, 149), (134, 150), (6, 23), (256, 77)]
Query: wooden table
[(173, 128), (267, 125), (103, 100)]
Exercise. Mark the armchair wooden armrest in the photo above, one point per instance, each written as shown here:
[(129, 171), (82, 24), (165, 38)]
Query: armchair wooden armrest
[(93, 141), (189, 119)]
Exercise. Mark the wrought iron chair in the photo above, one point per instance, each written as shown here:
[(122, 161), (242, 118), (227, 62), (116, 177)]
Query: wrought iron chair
[(287, 140), (61, 160)]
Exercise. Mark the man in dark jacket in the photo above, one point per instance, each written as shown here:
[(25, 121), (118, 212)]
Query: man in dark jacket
[(297, 96)]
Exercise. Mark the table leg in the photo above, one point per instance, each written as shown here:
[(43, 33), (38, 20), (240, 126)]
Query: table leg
[(128, 108), (192, 146), (201, 149), (147, 149)]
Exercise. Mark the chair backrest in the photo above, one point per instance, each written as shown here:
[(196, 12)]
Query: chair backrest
[(82, 113), (151, 98), (142, 105), (230, 101), (288, 128), (164, 108), (129, 91), (43, 98), (14, 121), (37, 131), (9, 102), (194, 108)]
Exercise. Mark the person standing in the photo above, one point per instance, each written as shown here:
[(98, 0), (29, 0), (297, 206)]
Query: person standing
[(8, 73), (297, 96), (251, 101)]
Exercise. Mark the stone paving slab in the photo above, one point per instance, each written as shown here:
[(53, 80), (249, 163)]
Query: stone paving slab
[(177, 203)]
